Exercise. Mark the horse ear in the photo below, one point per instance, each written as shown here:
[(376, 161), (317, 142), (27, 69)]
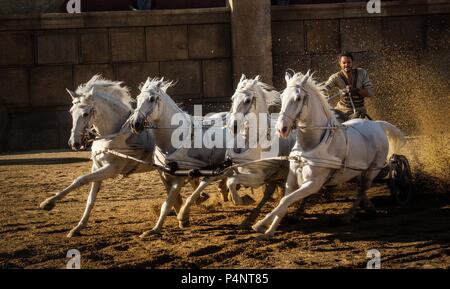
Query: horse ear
[(71, 93), (258, 78), (243, 77), (90, 93), (158, 85), (287, 77), (304, 79)]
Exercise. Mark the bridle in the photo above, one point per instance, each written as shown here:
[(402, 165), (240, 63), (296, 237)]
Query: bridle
[(87, 132), (147, 124), (295, 119)]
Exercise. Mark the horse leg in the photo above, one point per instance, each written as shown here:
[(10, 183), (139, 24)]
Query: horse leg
[(268, 192), (100, 174), (366, 204), (174, 192), (232, 184), (195, 182), (365, 183), (223, 190), (167, 180), (301, 207), (294, 180), (307, 188), (183, 215), (95, 187)]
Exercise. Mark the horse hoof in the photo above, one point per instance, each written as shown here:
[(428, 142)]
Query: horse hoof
[(73, 233), (263, 237), (247, 200), (184, 224), (149, 233), (47, 205), (258, 227)]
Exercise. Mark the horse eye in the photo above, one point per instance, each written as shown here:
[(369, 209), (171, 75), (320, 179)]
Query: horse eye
[(152, 99), (247, 100), (85, 114)]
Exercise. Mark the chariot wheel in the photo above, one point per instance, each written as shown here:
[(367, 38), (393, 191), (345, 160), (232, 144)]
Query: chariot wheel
[(400, 179)]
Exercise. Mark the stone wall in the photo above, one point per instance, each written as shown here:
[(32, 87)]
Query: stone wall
[(405, 50), (41, 56)]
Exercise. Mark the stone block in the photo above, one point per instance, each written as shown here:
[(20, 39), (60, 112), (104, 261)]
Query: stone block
[(32, 7), (48, 85), (17, 140), (251, 28), (94, 46), (188, 76), (209, 41), (322, 36), (14, 83), (288, 38), (403, 33), (16, 48), (298, 63), (34, 129), (438, 32), (127, 44), (361, 34), (82, 73), (217, 80), (57, 47), (44, 139), (132, 74), (167, 43), (256, 65)]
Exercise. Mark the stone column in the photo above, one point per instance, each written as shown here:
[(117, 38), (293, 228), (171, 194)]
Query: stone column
[(251, 37)]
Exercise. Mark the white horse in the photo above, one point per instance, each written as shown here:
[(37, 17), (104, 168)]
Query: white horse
[(157, 108), (326, 152), (105, 105), (252, 98)]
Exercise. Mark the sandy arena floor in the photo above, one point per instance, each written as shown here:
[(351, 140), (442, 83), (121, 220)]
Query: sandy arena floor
[(413, 237)]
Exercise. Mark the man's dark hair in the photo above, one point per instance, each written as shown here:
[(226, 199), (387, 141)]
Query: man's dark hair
[(345, 54)]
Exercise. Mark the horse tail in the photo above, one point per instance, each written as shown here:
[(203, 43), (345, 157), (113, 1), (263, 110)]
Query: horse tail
[(395, 136)]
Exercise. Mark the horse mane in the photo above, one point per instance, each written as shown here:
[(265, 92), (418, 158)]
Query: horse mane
[(270, 94), (152, 83), (109, 88), (318, 90)]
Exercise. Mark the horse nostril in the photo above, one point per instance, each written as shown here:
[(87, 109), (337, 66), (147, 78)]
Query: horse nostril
[(76, 145), (284, 129)]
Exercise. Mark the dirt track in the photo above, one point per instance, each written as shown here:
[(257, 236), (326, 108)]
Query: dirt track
[(414, 237)]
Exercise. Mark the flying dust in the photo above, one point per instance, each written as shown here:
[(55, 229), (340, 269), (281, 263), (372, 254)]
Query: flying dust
[(413, 93)]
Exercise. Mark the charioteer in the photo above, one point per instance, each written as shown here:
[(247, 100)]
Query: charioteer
[(355, 85)]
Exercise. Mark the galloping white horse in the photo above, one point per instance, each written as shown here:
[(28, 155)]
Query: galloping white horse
[(326, 152), (155, 106), (252, 99), (105, 105)]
